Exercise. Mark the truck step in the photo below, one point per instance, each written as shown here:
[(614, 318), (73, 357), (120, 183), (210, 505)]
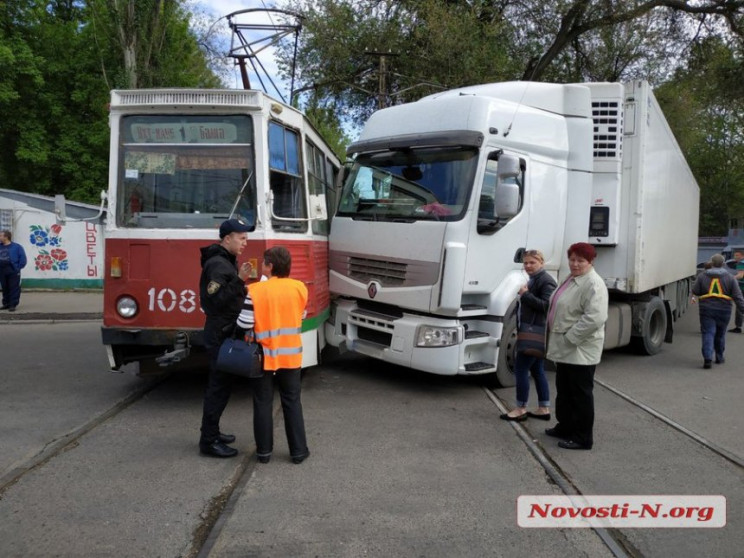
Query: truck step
[(473, 334), (471, 310), (479, 366)]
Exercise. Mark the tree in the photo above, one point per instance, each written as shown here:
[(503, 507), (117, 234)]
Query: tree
[(560, 24), (704, 105), (348, 49), (59, 60), (451, 43), (151, 43)]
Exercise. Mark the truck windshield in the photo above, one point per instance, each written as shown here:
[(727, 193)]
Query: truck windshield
[(411, 184), (185, 171)]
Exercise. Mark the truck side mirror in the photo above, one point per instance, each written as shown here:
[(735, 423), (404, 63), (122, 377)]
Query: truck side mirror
[(60, 211), (507, 194), (506, 201), (508, 166)]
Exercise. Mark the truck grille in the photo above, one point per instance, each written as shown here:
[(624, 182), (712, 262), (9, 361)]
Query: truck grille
[(387, 273)]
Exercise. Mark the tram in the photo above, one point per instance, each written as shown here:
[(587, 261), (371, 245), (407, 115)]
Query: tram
[(181, 162)]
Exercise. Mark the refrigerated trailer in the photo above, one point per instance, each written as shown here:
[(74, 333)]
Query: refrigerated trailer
[(445, 194)]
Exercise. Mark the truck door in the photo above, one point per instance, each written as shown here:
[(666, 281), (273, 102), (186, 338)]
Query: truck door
[(497, 239)]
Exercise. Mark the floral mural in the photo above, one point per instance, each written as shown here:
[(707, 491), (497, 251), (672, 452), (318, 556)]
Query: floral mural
[(49, 260)]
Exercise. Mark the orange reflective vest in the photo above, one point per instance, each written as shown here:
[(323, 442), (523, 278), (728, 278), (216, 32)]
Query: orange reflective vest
[(278, 305)]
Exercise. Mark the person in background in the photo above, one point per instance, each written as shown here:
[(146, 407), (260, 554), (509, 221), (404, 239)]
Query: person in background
[(221, 294), (576, 318), (739, 270), (534, 297), (716, 288), (274, 310), (12, 261)]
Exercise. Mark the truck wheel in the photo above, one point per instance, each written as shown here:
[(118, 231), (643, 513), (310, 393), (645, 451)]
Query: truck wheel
[(653, 328), (505, 364)]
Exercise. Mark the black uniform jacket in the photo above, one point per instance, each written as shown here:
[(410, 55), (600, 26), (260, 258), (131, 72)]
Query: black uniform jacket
[(221, 294)]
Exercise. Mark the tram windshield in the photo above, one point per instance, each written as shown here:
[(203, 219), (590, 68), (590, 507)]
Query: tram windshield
[(412, 184), (185, 171)]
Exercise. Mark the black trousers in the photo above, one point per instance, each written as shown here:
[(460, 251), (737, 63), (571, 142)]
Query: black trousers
[(219, 387), (289, 382), (574, 401), (10, 282)]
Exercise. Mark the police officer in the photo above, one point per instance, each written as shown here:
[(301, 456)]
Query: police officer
[(221, 293)]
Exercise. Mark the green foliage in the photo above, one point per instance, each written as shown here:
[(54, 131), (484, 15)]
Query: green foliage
[(370, 53), (58, 61), (328, 125), (704, 105)]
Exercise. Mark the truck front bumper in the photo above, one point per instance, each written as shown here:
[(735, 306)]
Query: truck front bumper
[(394, 339)]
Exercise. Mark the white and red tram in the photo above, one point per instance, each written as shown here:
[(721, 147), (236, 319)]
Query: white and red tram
[(182, 161)]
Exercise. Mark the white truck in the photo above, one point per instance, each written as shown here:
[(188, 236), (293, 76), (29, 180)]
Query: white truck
[(445, 194)]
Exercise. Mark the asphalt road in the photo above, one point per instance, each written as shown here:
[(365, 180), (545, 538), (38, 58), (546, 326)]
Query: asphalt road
[(402, 464)]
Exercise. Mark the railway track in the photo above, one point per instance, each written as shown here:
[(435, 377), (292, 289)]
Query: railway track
[(613, 539)]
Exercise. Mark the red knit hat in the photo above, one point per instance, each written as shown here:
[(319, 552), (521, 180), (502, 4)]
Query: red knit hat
[(583, 250)]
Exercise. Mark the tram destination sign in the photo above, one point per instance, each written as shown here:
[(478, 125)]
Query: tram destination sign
[(178, 132)]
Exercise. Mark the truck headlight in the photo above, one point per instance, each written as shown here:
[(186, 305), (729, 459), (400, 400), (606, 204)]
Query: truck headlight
[(126, 306), (430, 336)]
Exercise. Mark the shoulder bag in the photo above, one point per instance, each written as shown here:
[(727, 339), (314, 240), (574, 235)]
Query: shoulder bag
[(241, 358), (530, 338)]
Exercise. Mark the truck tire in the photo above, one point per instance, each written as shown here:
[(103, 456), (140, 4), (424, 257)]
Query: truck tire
[(505, 364), (653, 327)]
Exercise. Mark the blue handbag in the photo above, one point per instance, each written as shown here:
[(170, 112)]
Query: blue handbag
[(240, 358)]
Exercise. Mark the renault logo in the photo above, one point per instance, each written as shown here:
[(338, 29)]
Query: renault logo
[(372, 289)]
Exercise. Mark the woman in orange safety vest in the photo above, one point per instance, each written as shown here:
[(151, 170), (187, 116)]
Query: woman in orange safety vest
[(274, 310)]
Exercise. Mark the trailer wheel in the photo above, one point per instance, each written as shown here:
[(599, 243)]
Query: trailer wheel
[(653, 327), (505, 364)]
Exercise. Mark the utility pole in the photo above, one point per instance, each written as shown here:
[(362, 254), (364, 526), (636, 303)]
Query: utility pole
[(382, 87)]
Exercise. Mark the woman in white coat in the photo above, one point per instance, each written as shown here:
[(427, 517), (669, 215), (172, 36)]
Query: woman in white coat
[(576, 318)]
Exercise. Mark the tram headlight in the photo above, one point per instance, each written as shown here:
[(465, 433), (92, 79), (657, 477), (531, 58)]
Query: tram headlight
[(127, 307), (431, 336)]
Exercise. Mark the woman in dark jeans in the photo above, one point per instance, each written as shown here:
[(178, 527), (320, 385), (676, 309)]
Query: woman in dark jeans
[(534, 297)]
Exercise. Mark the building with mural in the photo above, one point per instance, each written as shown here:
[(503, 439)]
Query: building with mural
[(60, 256)]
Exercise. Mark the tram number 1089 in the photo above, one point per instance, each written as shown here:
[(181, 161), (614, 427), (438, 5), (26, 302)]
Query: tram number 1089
[(166, 300)]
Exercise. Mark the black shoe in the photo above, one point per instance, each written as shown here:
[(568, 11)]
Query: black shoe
[(555, 433), (707, 364), (300, 458), (226, 438), (546, 416), (520, 418), (735, 330), (720, 360), (217, 449), (263, 458), (4, 307), (11, 309), (570, 444)]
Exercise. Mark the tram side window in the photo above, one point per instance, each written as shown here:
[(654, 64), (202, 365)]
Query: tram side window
[(285, 180), (322, 175)]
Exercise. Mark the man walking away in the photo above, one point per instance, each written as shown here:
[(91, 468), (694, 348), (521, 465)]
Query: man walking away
[(716, 288), (12, 261)]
